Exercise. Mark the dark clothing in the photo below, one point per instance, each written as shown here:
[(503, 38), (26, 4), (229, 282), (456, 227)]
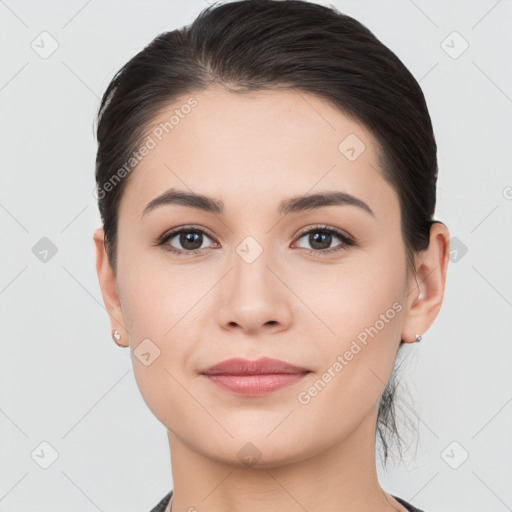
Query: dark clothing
[(165, 501), (408, 506)]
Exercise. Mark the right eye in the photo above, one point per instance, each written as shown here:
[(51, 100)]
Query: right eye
[(190, 238)]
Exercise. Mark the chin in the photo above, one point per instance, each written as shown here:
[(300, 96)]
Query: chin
[(257, 451)]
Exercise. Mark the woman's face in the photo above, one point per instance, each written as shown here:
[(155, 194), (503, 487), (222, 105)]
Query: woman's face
[(266, 279)]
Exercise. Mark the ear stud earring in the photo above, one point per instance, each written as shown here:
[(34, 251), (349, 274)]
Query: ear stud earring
[(418, 338), (116, 336)]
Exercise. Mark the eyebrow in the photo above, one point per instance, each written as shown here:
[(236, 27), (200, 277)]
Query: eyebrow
[(291, 205)]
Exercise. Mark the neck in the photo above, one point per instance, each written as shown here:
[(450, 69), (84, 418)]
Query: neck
[(341, 478)]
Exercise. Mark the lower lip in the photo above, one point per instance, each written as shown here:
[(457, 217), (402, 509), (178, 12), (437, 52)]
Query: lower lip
[(255, 385)]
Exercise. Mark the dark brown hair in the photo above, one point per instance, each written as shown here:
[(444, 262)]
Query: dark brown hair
[(253, 45)]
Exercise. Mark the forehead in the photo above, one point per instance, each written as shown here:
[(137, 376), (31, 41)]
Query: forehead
[(254, 147)]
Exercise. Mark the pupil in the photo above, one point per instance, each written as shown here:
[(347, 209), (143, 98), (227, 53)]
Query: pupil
[(313, 240), (191, 238)]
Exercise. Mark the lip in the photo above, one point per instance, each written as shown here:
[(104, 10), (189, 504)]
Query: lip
[(254, 378), (262, 366)]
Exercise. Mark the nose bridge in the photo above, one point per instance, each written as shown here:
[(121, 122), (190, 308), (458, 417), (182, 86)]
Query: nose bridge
[(251, 259)]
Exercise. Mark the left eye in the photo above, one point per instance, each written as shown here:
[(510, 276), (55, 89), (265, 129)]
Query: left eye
[(321, 238)]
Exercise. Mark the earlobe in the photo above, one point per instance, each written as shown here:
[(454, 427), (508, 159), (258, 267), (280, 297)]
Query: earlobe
[(108, 285), (426, 294)]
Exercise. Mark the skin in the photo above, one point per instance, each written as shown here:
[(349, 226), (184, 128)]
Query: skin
[(287, 304)]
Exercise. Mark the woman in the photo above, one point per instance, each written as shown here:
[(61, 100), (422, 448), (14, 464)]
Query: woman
[(266, 179)]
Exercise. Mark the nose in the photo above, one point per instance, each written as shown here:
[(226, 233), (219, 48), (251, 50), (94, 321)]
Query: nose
[(254, 298)]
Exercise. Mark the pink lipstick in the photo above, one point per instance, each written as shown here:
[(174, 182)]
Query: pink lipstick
[(254, 378)]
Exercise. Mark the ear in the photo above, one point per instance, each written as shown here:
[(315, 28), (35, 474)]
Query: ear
[(427, 288), (108, 284)]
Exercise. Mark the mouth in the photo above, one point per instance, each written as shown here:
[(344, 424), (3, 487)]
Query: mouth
[(254, 378)]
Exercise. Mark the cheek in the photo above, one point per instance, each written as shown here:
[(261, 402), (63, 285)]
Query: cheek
[(361, 312), (163, 312), (363, 291), (362, 305), (155, 293)]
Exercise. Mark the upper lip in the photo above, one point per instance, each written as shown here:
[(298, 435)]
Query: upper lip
[(263, 366)]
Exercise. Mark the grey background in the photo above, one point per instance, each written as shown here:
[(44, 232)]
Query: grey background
[(62, 379)]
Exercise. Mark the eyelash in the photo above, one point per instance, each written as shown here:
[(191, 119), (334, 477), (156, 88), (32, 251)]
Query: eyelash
[(346, 240)]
